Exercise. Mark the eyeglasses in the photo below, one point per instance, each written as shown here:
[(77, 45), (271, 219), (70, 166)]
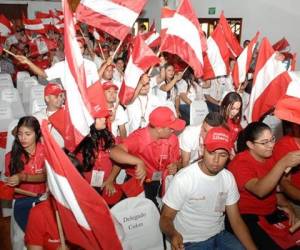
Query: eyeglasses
[(266, 142)]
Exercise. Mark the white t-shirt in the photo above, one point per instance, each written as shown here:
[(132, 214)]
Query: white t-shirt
[(194, 93), (60, 70), (219, 87), (189, 141), (163, 95), (120, 119), (43, 114), (200, 201), (138, 112)]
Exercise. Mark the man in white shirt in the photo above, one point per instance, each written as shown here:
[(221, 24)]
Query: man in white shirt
[(198, 197), (54, 98), (61, 69), (192, 137), (119, 116)]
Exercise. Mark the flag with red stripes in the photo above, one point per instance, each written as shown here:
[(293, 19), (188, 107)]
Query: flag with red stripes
[(141, 59), (270, 82), (242, 65), (116, 17), (34, 26), (85, 216), (185, 38), (6, 27)]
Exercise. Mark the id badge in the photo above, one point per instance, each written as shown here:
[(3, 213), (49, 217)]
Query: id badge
[(220, 202), (97, 178), (157, 176)]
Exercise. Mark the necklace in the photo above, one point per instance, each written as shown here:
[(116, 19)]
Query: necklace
[(143, 111)]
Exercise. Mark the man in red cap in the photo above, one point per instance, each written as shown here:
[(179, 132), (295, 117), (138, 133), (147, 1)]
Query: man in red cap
[(198, 197), (119, 116), (54, 98), (155, 146)]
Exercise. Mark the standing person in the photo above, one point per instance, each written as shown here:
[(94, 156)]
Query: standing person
[(155, 146), (119, 116), (192, 137), (60, 69), (193, 213), (257, 176), (54, 97), (24, 167), (93, 152), (231, 110)]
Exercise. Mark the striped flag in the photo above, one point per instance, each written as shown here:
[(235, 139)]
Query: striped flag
[(288, 107), (184, 37), (34, 25), (6, 26), (216, 60), (141, 59), (231, 41), (85, 217), (270, 82), (242, 64), (116, 17)]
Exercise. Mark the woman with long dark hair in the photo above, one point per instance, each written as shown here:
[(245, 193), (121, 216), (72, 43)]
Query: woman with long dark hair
[(93, 152), (231, 109), (24, 167), (257, 176)]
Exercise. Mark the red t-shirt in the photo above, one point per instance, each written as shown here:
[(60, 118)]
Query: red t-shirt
[(285, 145), (245, 167), (35, 165), (103, 163), (234, 129), (156, 154), (41, 229)]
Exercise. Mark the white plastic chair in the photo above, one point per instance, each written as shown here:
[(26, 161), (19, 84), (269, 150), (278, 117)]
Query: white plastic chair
[(36, 105), (27, 85), (11, 95), (198, 111), (36, 100), (137, 224), (21, 76)]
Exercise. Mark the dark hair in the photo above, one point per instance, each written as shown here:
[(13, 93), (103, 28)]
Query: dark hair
[(97, 139), (76, 163), (167, 65), (250, 133), (16, 163), (227, 103), (214, 119)]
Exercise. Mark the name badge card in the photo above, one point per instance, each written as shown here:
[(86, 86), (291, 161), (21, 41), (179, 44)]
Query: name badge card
[(97, 178)]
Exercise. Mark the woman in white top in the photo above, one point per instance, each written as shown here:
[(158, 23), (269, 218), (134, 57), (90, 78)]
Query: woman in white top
[(168, 90), (189, 90)]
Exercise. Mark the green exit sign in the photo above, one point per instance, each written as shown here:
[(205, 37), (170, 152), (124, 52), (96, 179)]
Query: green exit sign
[(212, 11)]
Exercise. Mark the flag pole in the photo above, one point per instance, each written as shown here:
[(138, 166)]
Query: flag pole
[(59, 225), (114, 54), (8, 52), (101, 50), (25, 192)]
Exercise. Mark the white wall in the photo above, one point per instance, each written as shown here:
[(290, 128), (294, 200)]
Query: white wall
[(34, 6)]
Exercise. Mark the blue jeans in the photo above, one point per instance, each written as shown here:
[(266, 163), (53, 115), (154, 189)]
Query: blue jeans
[(222, 241)]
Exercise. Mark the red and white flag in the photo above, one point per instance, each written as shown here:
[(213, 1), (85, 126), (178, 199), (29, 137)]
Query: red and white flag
[(242, 64), (231, 41), (216, 59), (85, 216), (41, 45), (281, 44), (6, 26), (34, 25), (116, 17), (166, 15), (47, 19), (270, 82), (287, 108), (141, 59), (184, 37), (293, 62), (152, 39), (59, 26), (79, 116)]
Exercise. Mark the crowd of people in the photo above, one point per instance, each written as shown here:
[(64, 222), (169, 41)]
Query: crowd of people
[(234, 185)]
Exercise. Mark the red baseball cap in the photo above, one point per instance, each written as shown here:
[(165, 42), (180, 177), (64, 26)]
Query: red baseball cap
[(218, 138), (164, 117), (100, 112), (108, 85), (53, 89)]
